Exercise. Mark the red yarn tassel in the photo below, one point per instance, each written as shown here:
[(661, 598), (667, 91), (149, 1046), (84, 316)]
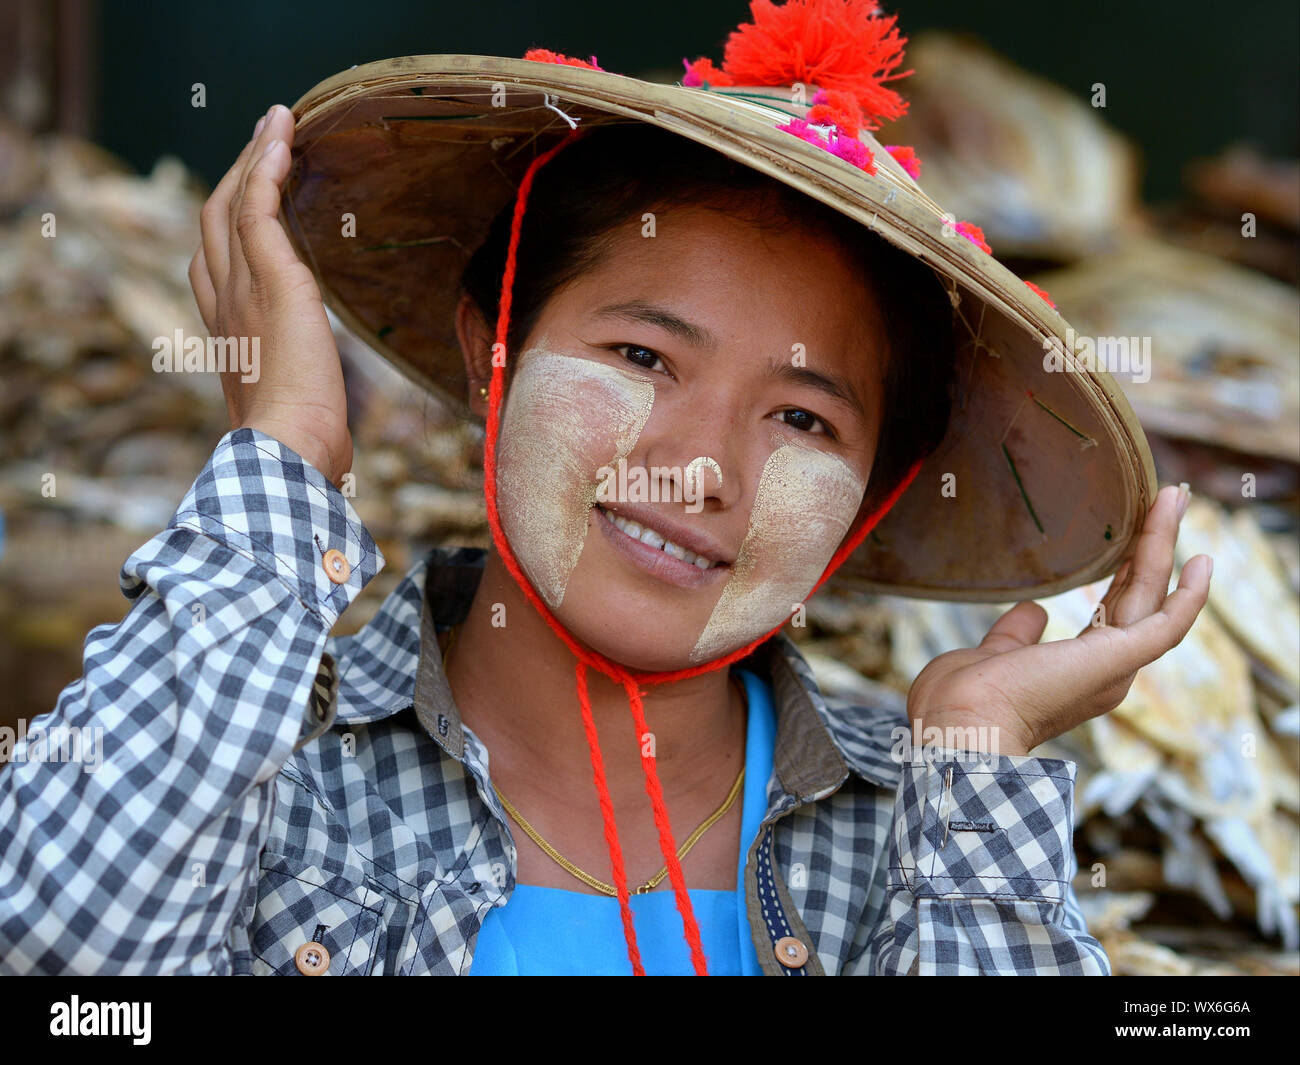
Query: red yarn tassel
[(607, 816), (666, 842)]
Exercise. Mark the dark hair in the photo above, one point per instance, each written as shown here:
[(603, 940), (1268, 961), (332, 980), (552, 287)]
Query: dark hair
[(617, 172)]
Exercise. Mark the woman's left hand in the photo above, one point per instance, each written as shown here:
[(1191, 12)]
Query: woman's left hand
[(1027, 692)]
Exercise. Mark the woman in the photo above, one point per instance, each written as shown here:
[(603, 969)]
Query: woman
[(417, 798)]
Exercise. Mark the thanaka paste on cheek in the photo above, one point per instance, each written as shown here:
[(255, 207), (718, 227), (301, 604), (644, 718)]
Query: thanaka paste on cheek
[(564, 418), (805, 503)]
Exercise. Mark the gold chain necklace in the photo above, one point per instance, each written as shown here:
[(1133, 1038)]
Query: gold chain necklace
[(568, 866)]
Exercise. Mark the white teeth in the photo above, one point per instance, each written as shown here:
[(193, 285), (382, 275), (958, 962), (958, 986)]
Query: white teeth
[(653, 539)]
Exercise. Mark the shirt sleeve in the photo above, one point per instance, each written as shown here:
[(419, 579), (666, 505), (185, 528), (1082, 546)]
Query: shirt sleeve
[(980, 864), (137, 856)]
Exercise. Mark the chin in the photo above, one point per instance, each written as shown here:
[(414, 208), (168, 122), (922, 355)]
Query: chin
[(638, 623), (641, 640)]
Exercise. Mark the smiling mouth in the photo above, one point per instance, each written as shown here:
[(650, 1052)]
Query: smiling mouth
[(652, 539)]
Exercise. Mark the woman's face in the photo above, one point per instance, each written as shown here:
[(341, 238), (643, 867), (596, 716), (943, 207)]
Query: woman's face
[(720, 386)]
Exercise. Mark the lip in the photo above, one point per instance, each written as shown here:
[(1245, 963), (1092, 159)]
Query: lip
[(654, 561), (683, 535)]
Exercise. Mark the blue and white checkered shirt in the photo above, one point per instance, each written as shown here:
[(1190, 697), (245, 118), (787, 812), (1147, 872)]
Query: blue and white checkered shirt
[(262, 786)]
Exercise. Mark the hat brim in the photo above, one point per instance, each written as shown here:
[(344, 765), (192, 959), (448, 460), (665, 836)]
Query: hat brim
[(1044, 478)]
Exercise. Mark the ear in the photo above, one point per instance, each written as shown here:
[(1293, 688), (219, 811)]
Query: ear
[(475, 337)]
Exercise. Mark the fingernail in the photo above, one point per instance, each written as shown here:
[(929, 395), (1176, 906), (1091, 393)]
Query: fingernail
[(275, 143), (260, 123), (1184, 497), (1211, 564)]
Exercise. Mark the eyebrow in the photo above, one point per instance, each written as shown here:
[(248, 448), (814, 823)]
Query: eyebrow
[(831, 384), (780, 368), (649, 314)]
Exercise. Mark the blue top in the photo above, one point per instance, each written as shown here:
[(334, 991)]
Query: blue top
[(549, 931)]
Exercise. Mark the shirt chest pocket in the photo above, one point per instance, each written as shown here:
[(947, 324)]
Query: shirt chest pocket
[(307, 922)]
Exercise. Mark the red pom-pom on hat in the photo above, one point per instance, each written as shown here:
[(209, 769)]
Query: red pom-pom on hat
[(852, 150), (545, 55), (803, 131), (703, 71), (838, 45), (836, 108), (1042, 293), (975, 235), (905, 157)]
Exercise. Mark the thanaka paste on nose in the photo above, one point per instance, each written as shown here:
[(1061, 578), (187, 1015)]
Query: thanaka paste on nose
[(700, 464), (564, 416), (805, 503)]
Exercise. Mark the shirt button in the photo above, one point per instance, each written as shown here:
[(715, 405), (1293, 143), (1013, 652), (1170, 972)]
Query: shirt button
[(312, 959), (337, 567), (790, 952)]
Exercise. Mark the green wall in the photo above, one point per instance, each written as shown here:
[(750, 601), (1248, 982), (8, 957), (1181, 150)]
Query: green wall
[(1183, 79)]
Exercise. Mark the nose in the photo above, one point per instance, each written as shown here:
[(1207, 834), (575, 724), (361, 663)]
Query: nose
[(695, 442)]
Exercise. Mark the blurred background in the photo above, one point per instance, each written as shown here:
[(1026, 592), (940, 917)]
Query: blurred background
[(1137, 161)]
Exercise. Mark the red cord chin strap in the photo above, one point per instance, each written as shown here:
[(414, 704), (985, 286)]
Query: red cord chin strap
[(587, 658)]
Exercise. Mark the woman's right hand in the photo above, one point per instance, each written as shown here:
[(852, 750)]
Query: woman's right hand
[(249, 283)]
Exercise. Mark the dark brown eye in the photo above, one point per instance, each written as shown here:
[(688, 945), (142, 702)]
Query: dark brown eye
[(803, 420), (638, 355)]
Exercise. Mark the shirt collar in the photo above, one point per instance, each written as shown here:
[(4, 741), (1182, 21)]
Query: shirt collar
[(394, 663)]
